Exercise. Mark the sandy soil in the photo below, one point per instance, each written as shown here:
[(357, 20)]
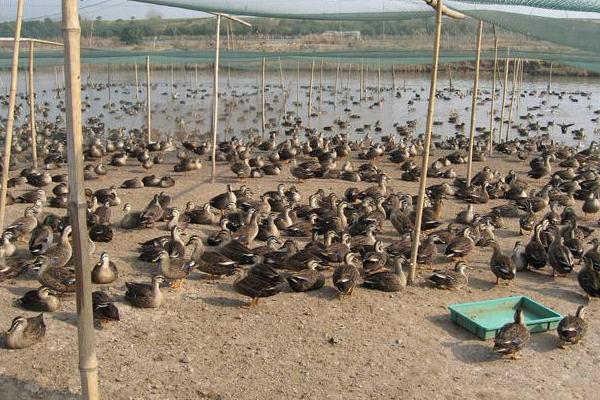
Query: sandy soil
[(201, 345)]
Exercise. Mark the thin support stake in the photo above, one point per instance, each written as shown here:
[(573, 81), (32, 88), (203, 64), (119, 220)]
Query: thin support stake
[(215, 104), (262, 98), (504, 90), (137, 82), (474, 105), (429, 128), (335, 88), (512, 97), (32, 109), (493, 105), (310, 89), (88, 363), (148, 104), (14, 71)]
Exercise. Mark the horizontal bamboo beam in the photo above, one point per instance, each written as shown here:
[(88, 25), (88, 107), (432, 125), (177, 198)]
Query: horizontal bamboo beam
[(9, 39)]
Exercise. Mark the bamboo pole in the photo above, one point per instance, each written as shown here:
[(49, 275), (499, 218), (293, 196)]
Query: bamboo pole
[(379, 79), (215, 104), (262, 98), (88, 364), (362, 80), (366, 78), (196, 74), (148, 103), (550, 79), (504, 90), (335, 89), (427, 145), (298, 84), (32, 109), (172, 81), (493, 105), (283, 93), (512, 96), (310, 88), (474, 104), (393, 78), (520, 85), (137, 82), (10, 119), (321, 88)]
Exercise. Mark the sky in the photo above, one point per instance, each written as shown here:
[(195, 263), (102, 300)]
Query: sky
[(107, 9)]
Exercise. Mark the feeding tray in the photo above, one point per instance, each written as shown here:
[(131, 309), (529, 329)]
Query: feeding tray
[(485, 318)]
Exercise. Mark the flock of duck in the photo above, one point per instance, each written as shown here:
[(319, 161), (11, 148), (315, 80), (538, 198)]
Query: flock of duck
[(284, 238)]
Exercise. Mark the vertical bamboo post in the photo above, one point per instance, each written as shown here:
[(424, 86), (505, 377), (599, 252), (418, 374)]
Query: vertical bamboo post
[(32, 109), (366, 78), (148, 104), (172, 81), (512, 96), (520, 85), (56, 79), (310, 88), (362, 81), (549, 88), (427, 144), (298, 84), (379, 79), (493, 105), (88, 364), (474, 104), (215, 104), (321, 88), (196, 75), (10, 119), (283, 93), (393, 78), (137, 82), (504, 90), (262, 98), (335, 89)]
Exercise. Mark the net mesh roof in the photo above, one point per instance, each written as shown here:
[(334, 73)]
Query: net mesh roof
[(574, 23)]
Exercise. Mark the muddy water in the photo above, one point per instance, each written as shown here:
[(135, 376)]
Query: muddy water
[(185, 106)]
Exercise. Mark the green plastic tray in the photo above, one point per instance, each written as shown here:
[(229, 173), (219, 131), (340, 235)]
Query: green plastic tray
[(485, 318)]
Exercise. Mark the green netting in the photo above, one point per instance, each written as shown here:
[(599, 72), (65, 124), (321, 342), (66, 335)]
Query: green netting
[(402, 57), (574, 23)]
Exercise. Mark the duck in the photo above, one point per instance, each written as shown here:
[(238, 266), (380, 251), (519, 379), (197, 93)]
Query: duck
[(239, 252), (247, 233), (216, 265), (589, 279), (572, 328), (105, 271), (512, 337), (101, 233), (54, 274), (25, 332), (375, 260), (450, 279), (222, 201), (144, 295), (345, 277), (32, 196), (519, 256), (178, 220), (593, 254), (268, 228), (152, 213), (40, 300), (535, 251), (24, 225), (130, 220), (385, 280), (465, 217), (133, 183), (176, 270), (42, 237), (428, 250), (560, 257), (302, 228), (103, 307), (203, 216), (307, 279), (502, 266), (591, 205), (260, 281), (460, 246), (8, 248)]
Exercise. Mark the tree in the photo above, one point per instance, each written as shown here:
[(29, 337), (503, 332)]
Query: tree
[(131, 35)]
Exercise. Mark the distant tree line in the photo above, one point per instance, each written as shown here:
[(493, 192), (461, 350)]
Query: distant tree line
[(132, 31)]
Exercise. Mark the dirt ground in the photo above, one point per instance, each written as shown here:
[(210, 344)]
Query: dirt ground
[(202, 345)]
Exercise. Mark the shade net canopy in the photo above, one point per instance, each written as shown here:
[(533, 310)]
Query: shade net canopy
[(240, 59), (573, 23)]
